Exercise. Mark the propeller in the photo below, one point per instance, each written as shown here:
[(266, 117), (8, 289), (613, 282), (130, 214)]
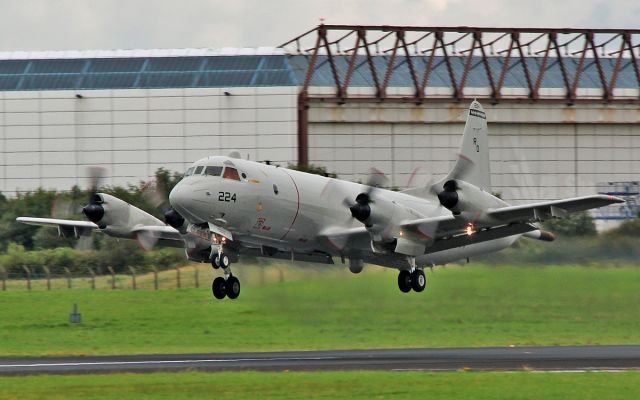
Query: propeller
[(361, 209), (449, 196), (94, 210), (155, 194)]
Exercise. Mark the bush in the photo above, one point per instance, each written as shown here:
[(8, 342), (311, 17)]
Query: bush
[(578, 224), (78, 262), (627, 228)]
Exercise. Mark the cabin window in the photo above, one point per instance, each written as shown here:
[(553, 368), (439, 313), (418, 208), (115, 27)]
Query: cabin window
[(213, 171), (198, 170), (231, 173)]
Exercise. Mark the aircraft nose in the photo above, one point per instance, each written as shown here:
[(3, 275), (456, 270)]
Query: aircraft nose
[(178, 196)]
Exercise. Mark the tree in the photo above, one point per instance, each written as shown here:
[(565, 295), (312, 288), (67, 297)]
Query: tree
[(578, 224)]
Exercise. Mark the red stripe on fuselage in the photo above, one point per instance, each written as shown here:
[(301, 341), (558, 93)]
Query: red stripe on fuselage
[(298, 205)]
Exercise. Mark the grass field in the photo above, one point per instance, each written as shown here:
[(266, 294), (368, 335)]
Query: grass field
[(329, 385), (463, 306)]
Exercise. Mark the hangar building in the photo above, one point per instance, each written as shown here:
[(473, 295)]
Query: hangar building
[(562, 107)]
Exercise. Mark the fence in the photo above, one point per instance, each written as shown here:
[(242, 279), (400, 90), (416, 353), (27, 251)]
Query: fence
[(192, 276)]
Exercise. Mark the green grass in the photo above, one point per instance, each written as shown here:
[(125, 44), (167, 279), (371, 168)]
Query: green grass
[(329, 385), (463, 306)]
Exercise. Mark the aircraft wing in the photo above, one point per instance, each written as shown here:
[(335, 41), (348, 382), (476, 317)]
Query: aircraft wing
[(66, 226), (164, 232), (147, 235), (340, 238), (150, 236), (550, 209), (434, 227)]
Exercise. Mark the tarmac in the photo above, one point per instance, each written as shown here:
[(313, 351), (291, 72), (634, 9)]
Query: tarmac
[(551, 358)]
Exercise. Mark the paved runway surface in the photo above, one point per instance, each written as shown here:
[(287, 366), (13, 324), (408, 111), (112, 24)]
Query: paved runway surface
[(493, 358)]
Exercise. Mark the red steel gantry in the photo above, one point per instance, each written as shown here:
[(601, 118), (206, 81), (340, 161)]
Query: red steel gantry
[(425, 44)]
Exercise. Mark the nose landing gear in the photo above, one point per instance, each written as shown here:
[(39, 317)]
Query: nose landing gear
[(229, 285)]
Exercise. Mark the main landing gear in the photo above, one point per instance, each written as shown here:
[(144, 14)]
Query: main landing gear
[(415, 280), (228, 285)]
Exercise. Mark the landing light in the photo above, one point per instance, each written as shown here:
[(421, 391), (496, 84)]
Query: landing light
[(470, 230), (218, 239)]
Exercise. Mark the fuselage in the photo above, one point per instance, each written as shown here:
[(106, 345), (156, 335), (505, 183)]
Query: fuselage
[(267, 205)]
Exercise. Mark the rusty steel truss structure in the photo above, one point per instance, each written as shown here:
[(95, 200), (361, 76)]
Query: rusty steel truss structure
[(382, 51)]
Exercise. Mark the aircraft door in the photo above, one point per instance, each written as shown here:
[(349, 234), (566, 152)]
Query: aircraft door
[(277, 207)]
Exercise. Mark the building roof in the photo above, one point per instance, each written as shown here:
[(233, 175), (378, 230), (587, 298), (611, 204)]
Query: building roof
[(190, 68)]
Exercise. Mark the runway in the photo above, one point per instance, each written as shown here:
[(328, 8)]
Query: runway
[(569, 358)]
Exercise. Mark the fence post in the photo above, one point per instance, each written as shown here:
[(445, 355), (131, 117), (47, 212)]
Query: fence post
[(48, 274), (281, 275), (68, 273), (113, 278), (4, 278), (93, 278), (178, 277), (133, 277), (155, 278), (196, 276), (28, 277)]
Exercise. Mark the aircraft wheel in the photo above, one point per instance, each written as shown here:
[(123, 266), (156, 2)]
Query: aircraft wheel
[(224, 261), (215, 262), (218, 287), (404, 281), (418, 280), (233, 287)]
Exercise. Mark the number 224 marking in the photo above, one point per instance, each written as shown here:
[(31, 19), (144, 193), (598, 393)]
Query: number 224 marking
[(226, 196)]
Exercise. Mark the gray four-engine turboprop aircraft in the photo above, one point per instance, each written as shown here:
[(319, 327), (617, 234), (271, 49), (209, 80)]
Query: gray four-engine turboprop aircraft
[(225, 208)]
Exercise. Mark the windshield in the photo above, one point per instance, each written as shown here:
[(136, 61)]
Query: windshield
[(231, 173), (213, 170)]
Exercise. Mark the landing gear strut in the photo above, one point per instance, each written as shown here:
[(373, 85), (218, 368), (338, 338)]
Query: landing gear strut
[(408, 280), (229, 285)]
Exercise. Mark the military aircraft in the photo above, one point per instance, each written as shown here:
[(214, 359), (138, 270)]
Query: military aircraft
[(227, 207)]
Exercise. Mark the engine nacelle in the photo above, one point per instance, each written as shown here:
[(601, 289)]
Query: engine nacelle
[(116, 215), (383, 222), (467, 201)]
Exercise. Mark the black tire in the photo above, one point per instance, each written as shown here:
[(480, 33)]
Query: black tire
[(233, 287), (224, 261), (418, 280), (215, 262), (404, 281), (218, 287)]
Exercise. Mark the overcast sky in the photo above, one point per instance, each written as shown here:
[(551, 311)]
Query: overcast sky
[(128, 24)]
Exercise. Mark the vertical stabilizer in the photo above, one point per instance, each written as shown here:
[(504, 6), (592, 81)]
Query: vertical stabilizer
[(472, 164)]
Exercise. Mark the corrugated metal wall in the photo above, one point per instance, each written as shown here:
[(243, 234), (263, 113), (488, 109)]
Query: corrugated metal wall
[(48, 138), (538, 152)]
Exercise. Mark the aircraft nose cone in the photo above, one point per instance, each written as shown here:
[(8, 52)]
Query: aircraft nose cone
[(178, 196)]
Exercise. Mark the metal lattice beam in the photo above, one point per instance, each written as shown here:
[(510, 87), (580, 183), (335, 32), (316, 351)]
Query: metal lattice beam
[(496, 50)]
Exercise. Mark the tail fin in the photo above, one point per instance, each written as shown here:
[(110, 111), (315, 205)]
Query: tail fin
[(473, 160)]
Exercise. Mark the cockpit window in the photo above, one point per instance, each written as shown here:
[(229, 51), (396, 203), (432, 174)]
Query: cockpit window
[(213, 171), (231, 173), (198, 170), (189, 172)]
